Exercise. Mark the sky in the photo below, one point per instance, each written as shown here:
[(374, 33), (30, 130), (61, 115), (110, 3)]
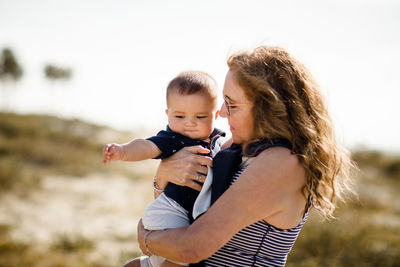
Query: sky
[(123, 54)]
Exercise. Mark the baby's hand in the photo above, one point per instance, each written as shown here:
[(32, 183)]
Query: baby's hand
[(112, 152)]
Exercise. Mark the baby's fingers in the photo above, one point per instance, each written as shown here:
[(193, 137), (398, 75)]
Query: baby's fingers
[(106, 158), (108, 147), (106, 153)]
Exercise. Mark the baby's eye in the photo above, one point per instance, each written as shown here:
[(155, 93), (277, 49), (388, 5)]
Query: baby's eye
[(202, 117), (179, 116)]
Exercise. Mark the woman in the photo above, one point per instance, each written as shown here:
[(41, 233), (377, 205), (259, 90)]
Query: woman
[(269, 98)]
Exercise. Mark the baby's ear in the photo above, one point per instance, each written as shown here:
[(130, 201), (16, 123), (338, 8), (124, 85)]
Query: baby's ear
[(216, 114), (166, 111)]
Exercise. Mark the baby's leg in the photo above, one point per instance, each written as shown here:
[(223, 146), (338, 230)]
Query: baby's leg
[(167, 263), (133, 263), (163, 213), (136, 263)]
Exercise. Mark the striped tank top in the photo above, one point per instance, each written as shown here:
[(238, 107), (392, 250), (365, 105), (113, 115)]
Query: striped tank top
[(259, 244)]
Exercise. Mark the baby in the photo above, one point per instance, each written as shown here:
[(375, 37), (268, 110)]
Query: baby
[(191, 110)]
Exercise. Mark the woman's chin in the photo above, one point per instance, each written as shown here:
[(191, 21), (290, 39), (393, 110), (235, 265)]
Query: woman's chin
[(236, 140)]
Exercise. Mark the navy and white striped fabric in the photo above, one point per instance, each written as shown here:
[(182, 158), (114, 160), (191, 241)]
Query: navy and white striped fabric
[(259, 244)]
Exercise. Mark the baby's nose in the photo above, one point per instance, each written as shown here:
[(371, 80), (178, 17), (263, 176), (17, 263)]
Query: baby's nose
[(190, 122)]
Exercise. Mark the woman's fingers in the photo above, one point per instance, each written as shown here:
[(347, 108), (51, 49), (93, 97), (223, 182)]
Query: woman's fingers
[(189, 177), (194, 185), (185, 168), (140, 235), (197, 149), (196, 160), (201, 178), (204, 161), (193, 180)]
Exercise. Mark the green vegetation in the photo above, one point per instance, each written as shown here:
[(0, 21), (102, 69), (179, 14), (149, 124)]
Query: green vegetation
[(364, 233)]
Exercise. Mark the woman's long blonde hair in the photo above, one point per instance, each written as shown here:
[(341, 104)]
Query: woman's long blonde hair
[(287, 103)]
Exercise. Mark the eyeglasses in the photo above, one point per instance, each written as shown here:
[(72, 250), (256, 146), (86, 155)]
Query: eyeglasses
[(229, 106)]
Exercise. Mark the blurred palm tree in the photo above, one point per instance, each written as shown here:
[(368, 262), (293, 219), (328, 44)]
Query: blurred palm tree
[(54, 73), (10, 72)]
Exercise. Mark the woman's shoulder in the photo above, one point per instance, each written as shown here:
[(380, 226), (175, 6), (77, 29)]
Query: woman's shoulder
[(280, 161), (278, 154)]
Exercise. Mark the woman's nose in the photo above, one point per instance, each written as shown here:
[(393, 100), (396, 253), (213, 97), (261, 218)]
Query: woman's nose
[(223, 112)]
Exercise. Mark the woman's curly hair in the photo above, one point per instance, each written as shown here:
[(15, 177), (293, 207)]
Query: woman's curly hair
[(287, 103)]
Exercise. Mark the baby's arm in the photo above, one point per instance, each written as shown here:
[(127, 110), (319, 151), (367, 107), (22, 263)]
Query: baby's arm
[(136, 150)]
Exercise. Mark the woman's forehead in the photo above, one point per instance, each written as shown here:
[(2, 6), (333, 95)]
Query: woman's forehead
[(232, 90)]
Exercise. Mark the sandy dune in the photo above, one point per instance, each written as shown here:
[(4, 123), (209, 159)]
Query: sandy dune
[(100, 208)]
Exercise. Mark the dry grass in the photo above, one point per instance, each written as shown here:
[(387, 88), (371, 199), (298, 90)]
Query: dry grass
[(34, 146), (366, 232)]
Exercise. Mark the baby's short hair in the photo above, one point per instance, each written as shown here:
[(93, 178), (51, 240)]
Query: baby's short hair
[(194, 82)]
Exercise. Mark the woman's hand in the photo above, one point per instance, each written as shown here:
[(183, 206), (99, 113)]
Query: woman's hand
[(184, 168), (140, 237)]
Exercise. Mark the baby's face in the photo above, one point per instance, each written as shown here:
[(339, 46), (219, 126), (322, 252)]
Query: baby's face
[(191, 115)]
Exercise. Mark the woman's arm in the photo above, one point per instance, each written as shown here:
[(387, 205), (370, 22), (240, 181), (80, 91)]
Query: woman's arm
[(267, 189)]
